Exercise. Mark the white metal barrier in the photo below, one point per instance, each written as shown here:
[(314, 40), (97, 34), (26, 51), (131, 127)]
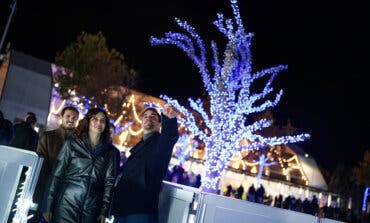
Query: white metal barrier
[(19, 171), (182, 204), (177, 203)]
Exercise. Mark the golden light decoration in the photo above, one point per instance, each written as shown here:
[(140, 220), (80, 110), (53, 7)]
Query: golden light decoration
[(293, 164), (237, 160), (137, 118), (123, 136), (56, 111), (254, 170)]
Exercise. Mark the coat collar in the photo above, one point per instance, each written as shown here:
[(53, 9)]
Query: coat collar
[(136, 149), (64, 133)]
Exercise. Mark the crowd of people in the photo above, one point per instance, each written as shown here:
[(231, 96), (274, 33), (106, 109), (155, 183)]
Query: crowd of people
[(311, 206), (21, 134), (177, 174), (84, 178)]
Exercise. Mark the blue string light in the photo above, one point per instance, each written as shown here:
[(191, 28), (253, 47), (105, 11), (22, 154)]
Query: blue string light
[(229, 90), (184, 147)]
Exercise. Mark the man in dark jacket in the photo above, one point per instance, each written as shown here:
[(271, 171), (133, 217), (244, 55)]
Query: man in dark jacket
[(137, 187), (49, 146), (25, 136)]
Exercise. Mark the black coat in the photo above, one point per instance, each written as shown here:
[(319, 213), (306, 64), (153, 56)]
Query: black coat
[(81, 182), (6, 131), (25, 137), (138, 185)]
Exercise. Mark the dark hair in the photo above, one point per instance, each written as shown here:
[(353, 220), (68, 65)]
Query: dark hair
[(155, 111), (69, 108), (83, 125), (30, 114), (1, 115), (31, 119)]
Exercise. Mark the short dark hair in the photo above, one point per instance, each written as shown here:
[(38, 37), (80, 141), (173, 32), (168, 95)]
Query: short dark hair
[(69, 108), (30, 114), (31, 119), (155, 111)]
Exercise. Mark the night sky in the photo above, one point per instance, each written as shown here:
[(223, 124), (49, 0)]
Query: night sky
[(325, 45)]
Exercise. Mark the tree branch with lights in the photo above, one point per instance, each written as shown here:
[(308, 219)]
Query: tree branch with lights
[(230, 94)]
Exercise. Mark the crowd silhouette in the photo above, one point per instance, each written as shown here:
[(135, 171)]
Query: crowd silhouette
[(313, 206)]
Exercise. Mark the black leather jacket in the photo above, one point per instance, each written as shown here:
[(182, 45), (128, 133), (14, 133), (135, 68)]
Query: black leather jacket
[(80, 187)]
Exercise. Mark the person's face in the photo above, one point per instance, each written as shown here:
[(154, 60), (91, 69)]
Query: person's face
[(69, 119), (97, 123), (150, 122)]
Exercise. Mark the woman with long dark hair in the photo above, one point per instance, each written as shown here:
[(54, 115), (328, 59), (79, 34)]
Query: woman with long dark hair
[(80, 187)]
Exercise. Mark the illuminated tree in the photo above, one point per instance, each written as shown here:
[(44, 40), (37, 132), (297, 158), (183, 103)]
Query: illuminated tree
[(184, 147), (230, 93), (268, 156), (263, 161)]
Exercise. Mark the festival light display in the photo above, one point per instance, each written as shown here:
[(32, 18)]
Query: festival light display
[(366, 194), (82, 104), (184, 147), (230, 94), (262, 162)]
